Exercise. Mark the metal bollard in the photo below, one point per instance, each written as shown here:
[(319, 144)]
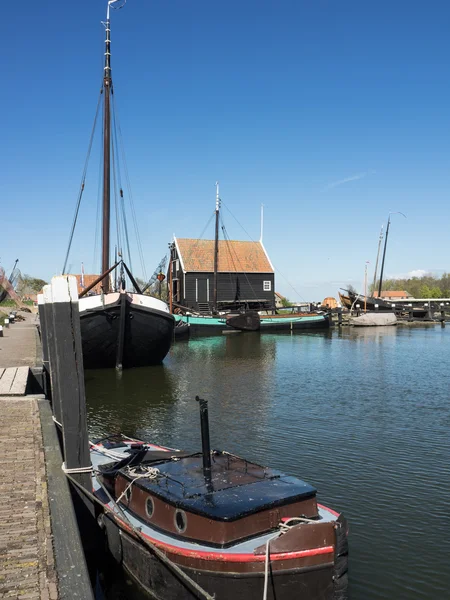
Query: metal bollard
[(6, 322)]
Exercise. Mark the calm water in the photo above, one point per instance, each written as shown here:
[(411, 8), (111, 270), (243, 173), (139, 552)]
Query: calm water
[(363, 415)]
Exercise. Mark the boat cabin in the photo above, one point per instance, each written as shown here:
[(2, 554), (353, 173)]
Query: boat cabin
[(237, 500), (245, 275)]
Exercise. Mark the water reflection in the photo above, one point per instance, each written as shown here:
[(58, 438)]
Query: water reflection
[(361, 414), (127, 401)]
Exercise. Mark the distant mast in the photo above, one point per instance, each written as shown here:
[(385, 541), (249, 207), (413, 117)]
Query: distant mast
[(380, 286), (262, 223), (216, 249), (376, 264)]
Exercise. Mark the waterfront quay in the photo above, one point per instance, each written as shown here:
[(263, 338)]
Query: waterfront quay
[(361, 414), (40, 550)]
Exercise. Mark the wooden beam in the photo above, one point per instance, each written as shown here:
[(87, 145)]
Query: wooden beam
[(69, 361), (49, 333)]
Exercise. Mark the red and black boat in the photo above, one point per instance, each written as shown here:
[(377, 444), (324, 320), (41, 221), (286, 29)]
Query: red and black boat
[(213, 525)]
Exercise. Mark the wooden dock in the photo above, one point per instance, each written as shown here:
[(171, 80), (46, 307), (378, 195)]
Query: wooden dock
[(27, 563), (41, 555), (13, 381)]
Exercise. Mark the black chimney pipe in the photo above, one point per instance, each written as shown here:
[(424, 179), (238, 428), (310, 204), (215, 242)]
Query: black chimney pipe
[(206, 446)]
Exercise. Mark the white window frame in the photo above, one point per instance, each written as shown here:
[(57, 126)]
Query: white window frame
[(267, 286)]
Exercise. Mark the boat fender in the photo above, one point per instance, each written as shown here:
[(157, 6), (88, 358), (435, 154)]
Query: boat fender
[(340, 571), (113, 538)]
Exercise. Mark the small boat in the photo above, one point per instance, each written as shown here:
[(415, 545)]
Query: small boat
[(294, 322), (213, 525), (202, 325), (374, 319), (119, 328), (245, 321)]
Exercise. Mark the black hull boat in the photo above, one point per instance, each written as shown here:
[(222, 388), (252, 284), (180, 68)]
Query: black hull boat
[(373, 304), (124, 330), (119, 328), (237, 530)]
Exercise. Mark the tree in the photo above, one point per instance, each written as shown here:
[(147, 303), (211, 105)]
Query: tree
[(285, 303), (424, 291), (29, 285)]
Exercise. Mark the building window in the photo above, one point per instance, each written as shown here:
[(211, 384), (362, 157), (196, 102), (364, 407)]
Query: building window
[(267, 286)]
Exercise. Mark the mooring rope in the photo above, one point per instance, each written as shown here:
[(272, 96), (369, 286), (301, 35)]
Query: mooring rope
[(77, 470), (149, 473), (193, 585), (57, 422), (283, 526)]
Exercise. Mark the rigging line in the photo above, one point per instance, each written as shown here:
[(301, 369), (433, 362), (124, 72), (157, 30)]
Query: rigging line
[(121, 200), (240, 225), (237, 258), (130, 195), (83, 180), (290, 284), (198, 240), (276, 269), (227, 241)]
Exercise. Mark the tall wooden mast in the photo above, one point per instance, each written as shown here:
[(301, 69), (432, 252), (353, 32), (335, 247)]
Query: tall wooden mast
[(376, 264), (216, 248), (107, 90), (380, 285)]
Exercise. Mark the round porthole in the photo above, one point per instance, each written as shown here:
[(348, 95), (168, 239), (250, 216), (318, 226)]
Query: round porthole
[(149, 507), (180, 521)]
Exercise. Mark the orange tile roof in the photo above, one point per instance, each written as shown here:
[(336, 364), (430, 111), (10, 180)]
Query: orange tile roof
[(234, 256), (392, 294), (88, 279)]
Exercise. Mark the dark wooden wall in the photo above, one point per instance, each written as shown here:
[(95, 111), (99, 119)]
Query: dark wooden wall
[(249, 286)]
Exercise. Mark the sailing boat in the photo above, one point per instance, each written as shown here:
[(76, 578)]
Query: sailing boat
[(119, 328)]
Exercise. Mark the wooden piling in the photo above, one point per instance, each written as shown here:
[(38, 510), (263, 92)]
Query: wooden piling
[(43, 328), (49, 334), (69, 363)]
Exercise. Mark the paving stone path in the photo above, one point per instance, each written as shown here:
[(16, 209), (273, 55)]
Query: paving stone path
[(19, 345), (27, 569)]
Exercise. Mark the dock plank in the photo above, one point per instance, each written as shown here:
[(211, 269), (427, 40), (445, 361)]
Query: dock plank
[(19, 385), (7, 380), (2, 370)]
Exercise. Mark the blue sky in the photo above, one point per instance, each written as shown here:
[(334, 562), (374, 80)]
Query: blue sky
[(331, 114)]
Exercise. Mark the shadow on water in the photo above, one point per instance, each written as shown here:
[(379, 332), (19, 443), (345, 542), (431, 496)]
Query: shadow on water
[(362, 414), (124, 402)]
